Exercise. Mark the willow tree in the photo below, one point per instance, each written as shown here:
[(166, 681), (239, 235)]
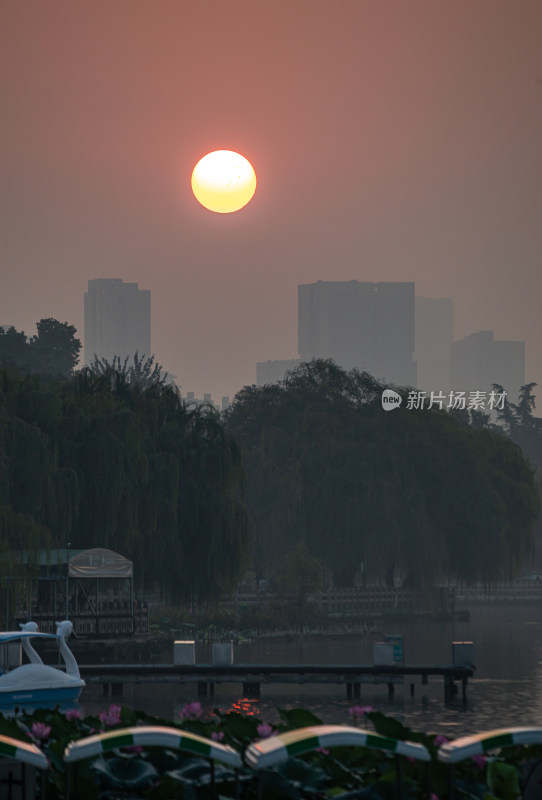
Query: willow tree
[(102, 462), (416, 494)]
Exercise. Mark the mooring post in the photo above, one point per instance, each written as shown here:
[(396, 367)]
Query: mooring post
[(449, 688)]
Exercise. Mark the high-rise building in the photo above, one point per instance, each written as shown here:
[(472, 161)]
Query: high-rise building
[(365, 325), (117, 320), (478, 361), (434, 337)]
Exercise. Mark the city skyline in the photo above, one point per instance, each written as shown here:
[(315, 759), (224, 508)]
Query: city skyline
[(117, 324), (353, 323), (392, 142)]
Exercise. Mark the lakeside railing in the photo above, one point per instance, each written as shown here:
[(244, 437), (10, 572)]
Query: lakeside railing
[(370, 600), (526, 590), (111, 621), (376, 600)]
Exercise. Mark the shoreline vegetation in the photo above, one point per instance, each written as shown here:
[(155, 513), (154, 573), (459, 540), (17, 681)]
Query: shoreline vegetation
[(205, 503), (120, 767)]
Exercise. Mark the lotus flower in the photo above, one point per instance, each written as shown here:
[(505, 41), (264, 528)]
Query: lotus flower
[(40, 732), (359, 711), (191, 711), (264, 730), (111, 717)]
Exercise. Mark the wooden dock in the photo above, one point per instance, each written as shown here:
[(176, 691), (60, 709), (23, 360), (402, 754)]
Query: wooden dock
[(252, 676)]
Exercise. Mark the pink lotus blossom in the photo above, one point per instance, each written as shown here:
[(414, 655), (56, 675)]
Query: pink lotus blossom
[(434, 796), (359, 711), (191, 711), (480, 761), (264, 730), (134, 748), (439, 740), (111, 717), (217, 736), (40, 732), (72, 713), (321, 750)]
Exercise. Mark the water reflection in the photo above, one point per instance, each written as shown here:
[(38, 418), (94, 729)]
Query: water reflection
[(505, 691), (14, 710)]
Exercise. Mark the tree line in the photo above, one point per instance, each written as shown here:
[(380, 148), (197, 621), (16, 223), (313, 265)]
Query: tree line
[(298, 478)]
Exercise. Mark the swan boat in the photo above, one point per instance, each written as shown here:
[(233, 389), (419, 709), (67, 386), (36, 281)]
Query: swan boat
[(37, 683)]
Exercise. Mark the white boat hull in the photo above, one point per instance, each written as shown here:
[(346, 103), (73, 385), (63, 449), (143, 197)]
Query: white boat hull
[(33, 684), (40, 697)]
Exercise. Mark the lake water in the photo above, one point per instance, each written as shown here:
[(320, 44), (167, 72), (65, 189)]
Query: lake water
[(506, 689)]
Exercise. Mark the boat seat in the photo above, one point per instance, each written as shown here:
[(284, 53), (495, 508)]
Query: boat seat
[(277, 749), (147, 736)]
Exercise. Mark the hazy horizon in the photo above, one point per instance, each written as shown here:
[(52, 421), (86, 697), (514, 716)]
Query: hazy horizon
[(391, 141)]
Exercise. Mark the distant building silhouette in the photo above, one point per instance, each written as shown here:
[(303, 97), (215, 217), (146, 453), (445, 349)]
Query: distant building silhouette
[(191, 400), (434, 338), (273, 371), (117, 319), (360, 324), (478, 361)]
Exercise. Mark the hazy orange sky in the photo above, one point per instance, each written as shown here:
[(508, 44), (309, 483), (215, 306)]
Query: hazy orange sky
[(392, 139)]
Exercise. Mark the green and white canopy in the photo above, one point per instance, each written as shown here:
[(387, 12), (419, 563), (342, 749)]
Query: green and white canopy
[(22, 751), (482, 743), (151, 736), (275, 749)]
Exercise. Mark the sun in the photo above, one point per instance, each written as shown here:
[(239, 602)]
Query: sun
[(223, 181)]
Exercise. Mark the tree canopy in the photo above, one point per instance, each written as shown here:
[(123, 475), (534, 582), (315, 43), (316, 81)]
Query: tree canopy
[(139, 370), (99, 462), (54, 351), (521, 425), (419, 494)]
